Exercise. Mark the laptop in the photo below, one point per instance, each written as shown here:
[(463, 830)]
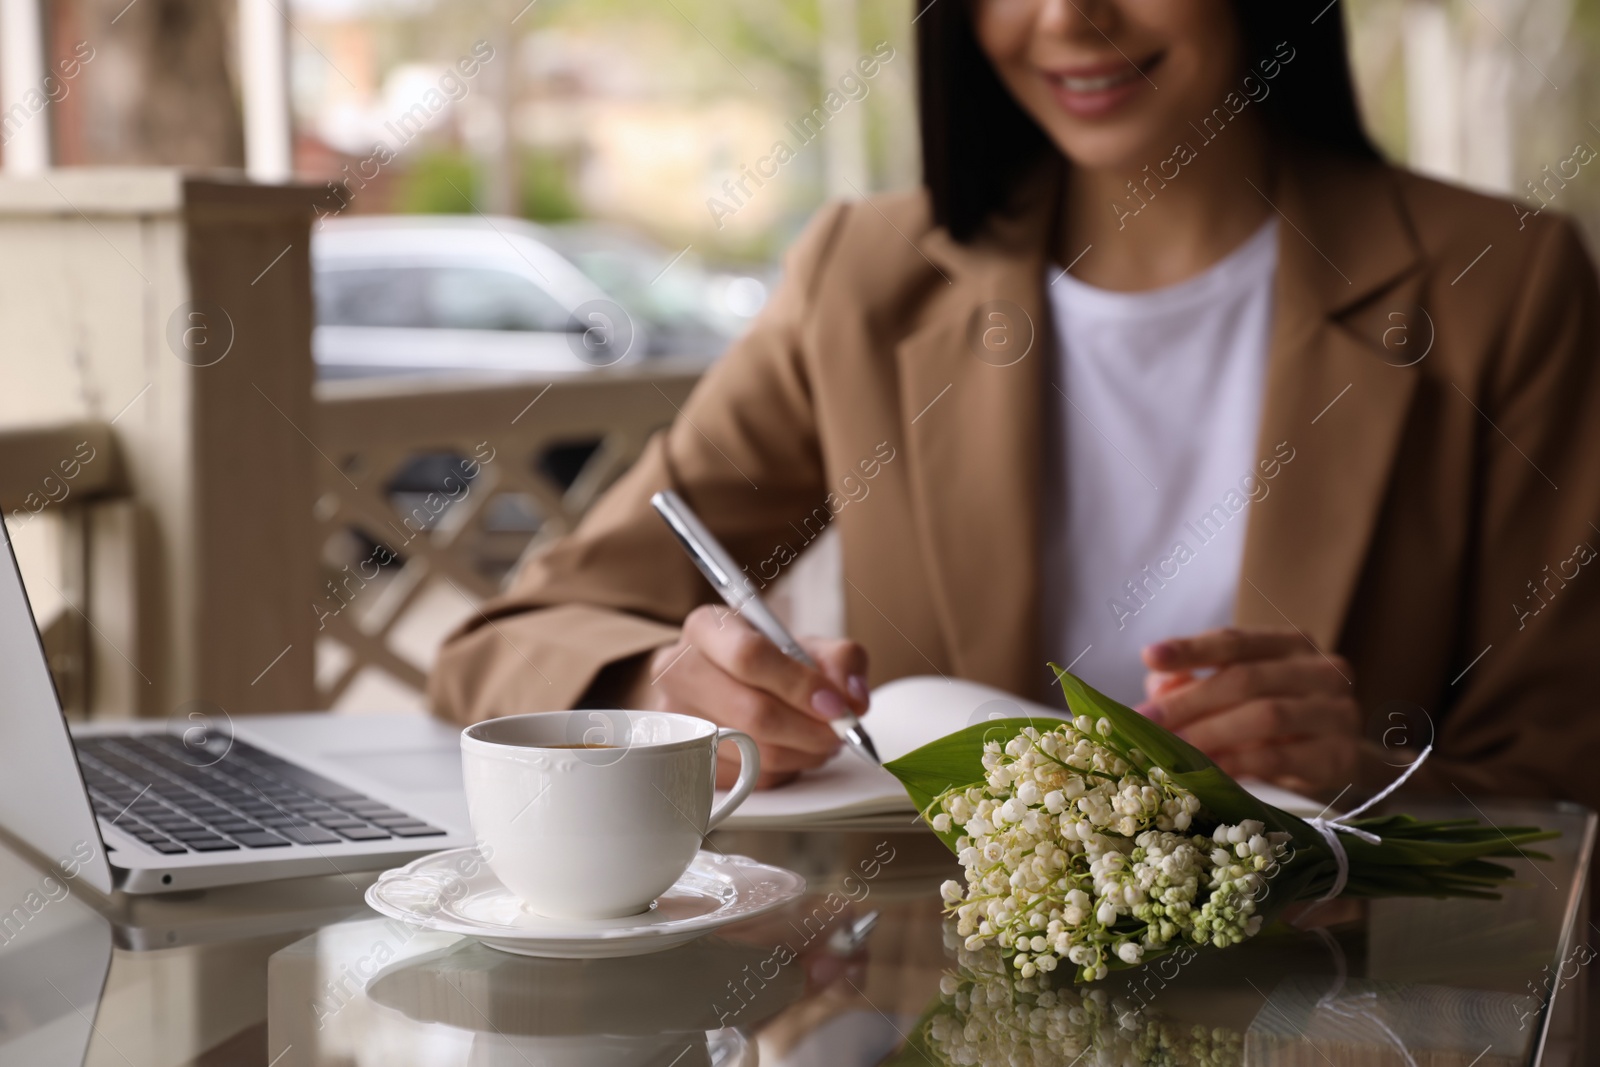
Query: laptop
[(200, 801)]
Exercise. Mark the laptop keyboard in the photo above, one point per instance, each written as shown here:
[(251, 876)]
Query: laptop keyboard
[(228, 796)]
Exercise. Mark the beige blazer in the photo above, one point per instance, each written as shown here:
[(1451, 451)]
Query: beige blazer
[(1432, 367)]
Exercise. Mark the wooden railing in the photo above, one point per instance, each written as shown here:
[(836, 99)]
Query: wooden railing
[(430, 494), (427, 496), (53, 481)]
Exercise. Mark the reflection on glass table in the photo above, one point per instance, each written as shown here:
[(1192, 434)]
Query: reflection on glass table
[(1397, 981), (866, 971), (402, 996), (858, 973), (54, 953)]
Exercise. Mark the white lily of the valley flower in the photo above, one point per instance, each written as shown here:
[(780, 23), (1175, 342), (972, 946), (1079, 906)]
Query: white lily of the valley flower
[(1070, 853)]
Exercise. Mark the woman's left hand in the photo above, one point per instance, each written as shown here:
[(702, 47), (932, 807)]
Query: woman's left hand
[(1274, 707)]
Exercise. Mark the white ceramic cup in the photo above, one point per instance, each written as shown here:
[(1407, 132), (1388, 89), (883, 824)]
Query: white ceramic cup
[(580, 832)]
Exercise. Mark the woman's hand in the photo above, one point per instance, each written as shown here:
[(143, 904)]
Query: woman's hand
[(1272, 707), (721, 669)]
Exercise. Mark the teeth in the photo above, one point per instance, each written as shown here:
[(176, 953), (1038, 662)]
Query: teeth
[(1096, 85)]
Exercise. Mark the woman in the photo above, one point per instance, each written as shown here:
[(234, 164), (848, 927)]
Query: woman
[(1163, 374)]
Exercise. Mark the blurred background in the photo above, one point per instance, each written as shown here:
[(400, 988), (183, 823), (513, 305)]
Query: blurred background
[(513, 235), (634, 115)]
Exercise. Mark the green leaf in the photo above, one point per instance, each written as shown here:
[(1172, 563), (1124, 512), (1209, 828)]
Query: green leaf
[(1192, 769), (954, 761)]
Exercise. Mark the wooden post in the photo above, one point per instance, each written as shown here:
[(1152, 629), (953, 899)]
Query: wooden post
[(177, 309)]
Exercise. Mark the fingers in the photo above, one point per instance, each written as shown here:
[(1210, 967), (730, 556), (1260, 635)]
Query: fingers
[(1298, 675), (1265, 704), (723, 670), (1158, 682), (1273, 719), (1323, 764), (728, 775), (845, 664), (697, 686), (778, 764), (748, 657), (1218, 648), (779, 759)]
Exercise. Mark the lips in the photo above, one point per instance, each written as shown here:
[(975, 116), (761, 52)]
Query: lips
[(1093, 90)]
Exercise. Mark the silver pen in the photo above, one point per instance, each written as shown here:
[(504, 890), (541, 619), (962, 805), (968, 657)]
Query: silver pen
[(721, 571)]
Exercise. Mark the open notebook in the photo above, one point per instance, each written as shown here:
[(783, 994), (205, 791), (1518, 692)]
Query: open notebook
[(907, 714)]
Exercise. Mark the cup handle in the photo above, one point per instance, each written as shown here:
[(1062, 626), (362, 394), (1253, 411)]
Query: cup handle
[(749, 771)]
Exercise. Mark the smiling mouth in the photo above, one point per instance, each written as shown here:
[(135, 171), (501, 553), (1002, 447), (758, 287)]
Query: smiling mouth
[(1104, 82)]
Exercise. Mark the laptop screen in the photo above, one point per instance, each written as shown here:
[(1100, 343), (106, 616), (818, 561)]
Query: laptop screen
[(43, 802)]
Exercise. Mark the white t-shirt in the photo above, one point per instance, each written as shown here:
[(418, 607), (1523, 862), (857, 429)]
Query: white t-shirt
[(1150, 464)]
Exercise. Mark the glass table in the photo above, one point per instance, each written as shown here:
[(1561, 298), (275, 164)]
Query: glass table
[(860, 972)]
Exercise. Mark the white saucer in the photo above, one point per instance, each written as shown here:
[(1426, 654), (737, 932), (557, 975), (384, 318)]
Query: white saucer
[(716, 890)]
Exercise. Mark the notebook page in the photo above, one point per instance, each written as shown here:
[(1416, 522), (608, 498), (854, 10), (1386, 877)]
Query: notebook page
[(906, 714)]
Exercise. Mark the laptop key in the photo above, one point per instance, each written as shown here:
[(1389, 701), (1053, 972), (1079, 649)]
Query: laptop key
[(415, 829), (370, 809), (211, 844), (315, 783), (392, 820), (167, 848), (309, 835), (361, 833), (220, 815), (206, 812), (259, 839), (318, 814), (233, 826), (199, 833)]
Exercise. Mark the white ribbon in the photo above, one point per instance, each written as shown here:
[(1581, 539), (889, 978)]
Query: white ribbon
[(1362, 1009), (1330, 829)]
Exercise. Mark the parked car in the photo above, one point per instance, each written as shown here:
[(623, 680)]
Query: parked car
[(455, 294), (689, 310)]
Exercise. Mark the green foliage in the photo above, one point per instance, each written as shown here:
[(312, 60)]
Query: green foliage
[(437, 183), (546, 189)]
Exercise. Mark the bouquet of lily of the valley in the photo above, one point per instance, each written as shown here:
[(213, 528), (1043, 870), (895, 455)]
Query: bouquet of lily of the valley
[(1105, 841)]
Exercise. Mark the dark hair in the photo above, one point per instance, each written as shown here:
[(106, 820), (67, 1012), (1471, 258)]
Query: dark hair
[(978, 142)]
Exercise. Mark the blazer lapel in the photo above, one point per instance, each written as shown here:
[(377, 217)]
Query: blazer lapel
[(970, 380), (1346, 324)]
